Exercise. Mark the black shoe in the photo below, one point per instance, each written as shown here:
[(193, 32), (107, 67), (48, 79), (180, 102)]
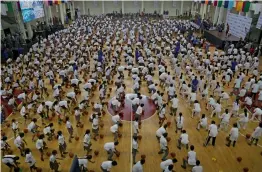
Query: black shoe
[(183, 166)]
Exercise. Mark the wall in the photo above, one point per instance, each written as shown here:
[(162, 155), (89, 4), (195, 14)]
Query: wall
[(151, 8), (111, 6), (173, 10), (95, 8), (130, 7)]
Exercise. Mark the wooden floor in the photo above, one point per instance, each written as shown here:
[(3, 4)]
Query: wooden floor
[(225, 157)]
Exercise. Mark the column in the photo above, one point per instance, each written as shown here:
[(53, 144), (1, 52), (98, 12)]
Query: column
[(62, 17), (84, 8), (73, 9), (142, 6), (162, 7), (182, 7), (19, 20), (201, 10), (29, 30), (123, 7), (192, 6), (204, 10), (50, 14), (103, 7), (221, 15), (216, 15)]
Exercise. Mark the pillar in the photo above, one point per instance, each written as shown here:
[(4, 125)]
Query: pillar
[(19, 20), (73, 6), (103, 7), (162, 7), (221, 13), (181, 8), (192, 6), (84, 9), (29, 30), (142, 6), (201, 10), (62, 17), (216, 15), (123, 7), (204, 10)]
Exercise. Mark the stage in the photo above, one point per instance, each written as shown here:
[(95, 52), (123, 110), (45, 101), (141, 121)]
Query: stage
[(219, 39)]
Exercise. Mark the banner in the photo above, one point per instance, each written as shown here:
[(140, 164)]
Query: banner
[(246, 6), (239, 5), (220, 3), (238, 25), (259, 22)]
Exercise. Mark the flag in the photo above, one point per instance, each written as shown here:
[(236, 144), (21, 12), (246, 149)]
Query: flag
[(246, 6), (215, 3), (55, 1), (9, 6), (231, 4), (62, 1), (50, 3), (210, 2), (206, 1), (59, 1), (226, 4), (220, 2), (203, 1), (239, 5)]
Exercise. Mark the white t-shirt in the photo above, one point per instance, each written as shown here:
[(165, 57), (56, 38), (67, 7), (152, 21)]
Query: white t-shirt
[(213, 130), (39, 144), (175, 102), (82, 162), (184, 138), (191, 158), (87, 139), (160, 131), (109, 146), (8, 159), (138, 167), (163, 143), (165, 163), (107, 165), (197, 169), (114, 128)]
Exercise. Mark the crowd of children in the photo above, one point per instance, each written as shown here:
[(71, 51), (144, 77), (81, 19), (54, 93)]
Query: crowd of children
[(89, 59)]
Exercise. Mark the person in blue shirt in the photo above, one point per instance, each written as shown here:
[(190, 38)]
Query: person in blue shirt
[(100, 55), (137, 54), (194, 84), (233, 66)]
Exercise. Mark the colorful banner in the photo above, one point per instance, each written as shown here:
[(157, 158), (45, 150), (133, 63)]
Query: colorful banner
[(246, 6), (231, 4), (220, 3), (239, 5), (226, 4), (50, 3), (215, 3)]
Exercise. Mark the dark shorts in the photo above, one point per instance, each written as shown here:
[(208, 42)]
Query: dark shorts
[(95, 130)]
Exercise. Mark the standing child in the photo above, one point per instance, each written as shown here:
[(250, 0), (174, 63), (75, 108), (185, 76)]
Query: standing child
[(54, 165), (69, 129), (87, 141), (30, 159), (233, 135), (61, 143)]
